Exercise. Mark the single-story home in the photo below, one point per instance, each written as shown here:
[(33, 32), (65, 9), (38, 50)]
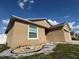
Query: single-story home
[(35, 32)]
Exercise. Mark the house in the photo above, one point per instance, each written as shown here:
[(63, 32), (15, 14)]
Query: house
[(35, 32), (75, 35)]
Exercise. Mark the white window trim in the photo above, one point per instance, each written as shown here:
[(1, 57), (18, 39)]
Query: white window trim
[(32, 38)]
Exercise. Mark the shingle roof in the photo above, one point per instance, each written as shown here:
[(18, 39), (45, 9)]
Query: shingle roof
[(58, 26), (15, 18), (40, 19)]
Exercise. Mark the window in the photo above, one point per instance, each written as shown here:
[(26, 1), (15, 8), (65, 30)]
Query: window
[(32, 31)]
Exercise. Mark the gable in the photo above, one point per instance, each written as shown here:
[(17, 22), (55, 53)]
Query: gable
[(66, 27), (42, 22), (13, 19)]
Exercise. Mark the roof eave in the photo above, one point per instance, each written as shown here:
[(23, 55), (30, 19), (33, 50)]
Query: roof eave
[(13, 19)]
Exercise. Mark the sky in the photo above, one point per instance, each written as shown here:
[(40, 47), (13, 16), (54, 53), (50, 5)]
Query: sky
[(56, 10)]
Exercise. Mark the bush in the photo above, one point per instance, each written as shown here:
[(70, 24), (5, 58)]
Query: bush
[(3, 47), (73, 38)]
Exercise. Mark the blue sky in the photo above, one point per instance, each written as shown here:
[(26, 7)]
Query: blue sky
[(56, 10)]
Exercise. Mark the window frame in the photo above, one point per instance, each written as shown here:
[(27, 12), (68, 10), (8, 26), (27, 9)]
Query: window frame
[(29, 34)]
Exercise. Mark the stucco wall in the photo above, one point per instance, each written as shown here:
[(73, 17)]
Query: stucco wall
[(62, 35), (43, 23), (10, 37), (56, 36), (20, 35), (67, 33), (66, 27)]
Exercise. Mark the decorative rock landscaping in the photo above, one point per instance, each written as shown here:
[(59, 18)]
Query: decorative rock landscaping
[(27, 49), (46, 48)]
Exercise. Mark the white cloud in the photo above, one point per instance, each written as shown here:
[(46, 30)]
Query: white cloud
[(74, 27), (31, 1), (3, 38), (71, 24), (77, 32), (66, 17), (5, 22), (25, 0), (4, 28), (53, 22), (22, 3)]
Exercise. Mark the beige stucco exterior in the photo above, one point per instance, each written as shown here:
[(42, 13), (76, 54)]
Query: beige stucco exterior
[(42, 22), (67, 33), (56, 36), (19, 36), (10, 36), (60, 35)]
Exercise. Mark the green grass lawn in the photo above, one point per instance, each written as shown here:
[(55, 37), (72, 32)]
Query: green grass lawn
[(66, 51), (7, 57), (62, 51)]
